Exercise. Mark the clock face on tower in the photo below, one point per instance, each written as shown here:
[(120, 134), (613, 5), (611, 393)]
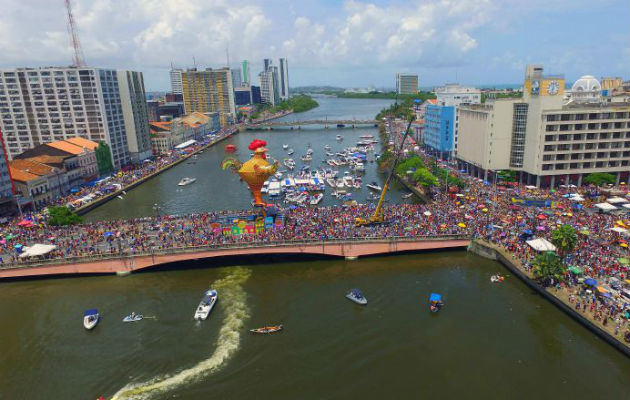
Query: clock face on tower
[(552, 88)]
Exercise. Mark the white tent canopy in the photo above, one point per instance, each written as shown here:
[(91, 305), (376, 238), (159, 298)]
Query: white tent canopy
[(605, 206), (625, 205), (616, 200), (185, 144), (541, 244), (618, 229), (37, 250), (577, 197)]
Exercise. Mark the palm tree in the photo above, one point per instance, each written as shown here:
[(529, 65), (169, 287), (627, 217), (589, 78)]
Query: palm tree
[(548, 267), (564, 238)]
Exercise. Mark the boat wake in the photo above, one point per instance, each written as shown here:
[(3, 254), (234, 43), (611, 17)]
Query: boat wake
[(236, 312)]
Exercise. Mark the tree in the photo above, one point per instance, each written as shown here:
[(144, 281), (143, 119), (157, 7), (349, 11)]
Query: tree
[(599, 178), (548, 268), (564, 238), (423, 177), (411, 163), (61, 215), (104, 159)]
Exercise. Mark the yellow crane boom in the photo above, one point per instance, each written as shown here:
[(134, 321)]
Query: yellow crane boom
[(377, 217)]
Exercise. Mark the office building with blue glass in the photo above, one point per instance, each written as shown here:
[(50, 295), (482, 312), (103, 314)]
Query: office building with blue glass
[(440, 129)]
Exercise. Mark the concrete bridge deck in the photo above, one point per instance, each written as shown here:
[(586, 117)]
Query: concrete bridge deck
[(350, 249), (325, 122)]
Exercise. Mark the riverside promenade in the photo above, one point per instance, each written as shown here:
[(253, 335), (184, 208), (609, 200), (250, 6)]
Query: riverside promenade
[(126, 263), (102, 200)]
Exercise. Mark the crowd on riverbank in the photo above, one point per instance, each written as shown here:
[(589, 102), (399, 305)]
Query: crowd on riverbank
[(124, 178)]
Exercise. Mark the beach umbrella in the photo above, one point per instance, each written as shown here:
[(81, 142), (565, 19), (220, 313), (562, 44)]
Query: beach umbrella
[(541, 217), (624, 245), (461, 225), (108, 234), (541, 228), (484, 210), (575, 270), (607, 294), (10, 236), (590, 282), (623, 261), (527, 231), (585, 232), (427, 213)]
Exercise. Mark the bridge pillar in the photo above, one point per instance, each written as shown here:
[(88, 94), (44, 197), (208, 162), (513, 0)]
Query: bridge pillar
[(351, 258)]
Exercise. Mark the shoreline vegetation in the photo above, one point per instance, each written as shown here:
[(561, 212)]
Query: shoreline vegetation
[(295, 104)]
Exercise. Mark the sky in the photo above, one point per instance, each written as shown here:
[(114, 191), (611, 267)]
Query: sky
[(329, 42)]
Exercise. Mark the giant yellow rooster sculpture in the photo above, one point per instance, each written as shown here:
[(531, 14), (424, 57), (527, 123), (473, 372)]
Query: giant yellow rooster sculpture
[(254, 171)]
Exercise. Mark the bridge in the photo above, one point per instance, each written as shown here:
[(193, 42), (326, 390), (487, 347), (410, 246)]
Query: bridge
[(325, 122), (351, 249)]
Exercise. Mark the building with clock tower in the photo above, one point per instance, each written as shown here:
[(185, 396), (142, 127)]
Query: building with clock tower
[(548, 137)]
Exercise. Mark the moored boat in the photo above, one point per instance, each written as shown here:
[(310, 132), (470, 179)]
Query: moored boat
[(406, 196), (316, 199), (285, 146), (374, 186), (90, 318), (206, 305), (290, 151), (356, 296), (267, 329)]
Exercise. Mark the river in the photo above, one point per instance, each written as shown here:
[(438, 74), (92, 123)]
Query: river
[(216, 189), (491, 341)]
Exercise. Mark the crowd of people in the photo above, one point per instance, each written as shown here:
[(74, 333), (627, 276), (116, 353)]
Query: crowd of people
[(478, 210)]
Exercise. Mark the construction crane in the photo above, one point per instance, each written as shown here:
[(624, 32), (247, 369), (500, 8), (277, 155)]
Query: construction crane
[(377, 217), (77, 58)]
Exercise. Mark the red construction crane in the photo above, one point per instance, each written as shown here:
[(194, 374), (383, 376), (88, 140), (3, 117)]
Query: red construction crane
[(77, 58)]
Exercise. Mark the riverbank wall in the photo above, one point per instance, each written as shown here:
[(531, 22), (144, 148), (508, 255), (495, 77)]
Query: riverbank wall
[(421, 195), (486, 250), (99, 202)]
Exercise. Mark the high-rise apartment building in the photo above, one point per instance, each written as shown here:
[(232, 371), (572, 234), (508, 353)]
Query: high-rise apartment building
[(176, 81), (209, 91), (135, 114), (7, 187), (267, 92), (236, 78), (284, 79), (246, 74), (41, 105), (547, 140), (406, 84), (453, 94)]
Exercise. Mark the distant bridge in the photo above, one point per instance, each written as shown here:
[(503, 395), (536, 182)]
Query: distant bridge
[(325, 122), (126, 263)]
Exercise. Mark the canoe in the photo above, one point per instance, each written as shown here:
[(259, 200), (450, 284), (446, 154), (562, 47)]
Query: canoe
[(267, 329)]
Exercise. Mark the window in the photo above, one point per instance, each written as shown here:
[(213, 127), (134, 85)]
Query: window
[(549, 138)]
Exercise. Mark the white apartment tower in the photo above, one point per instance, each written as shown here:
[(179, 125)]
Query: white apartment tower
[(267, 92), (176, 81), (284, 79), (136, 115), (42, 105)]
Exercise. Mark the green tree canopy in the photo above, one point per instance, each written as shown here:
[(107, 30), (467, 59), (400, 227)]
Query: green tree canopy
[(599, 178), (426, 179), (61, 215), (413, 162), (564, 238), (548, 266)]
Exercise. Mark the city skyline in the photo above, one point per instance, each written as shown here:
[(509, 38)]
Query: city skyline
[(349, 44)]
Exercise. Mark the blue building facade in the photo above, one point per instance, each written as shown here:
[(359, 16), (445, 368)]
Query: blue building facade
[(256, 99), (440, 130)]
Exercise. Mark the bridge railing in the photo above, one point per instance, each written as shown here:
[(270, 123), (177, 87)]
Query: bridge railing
[(127, 257)]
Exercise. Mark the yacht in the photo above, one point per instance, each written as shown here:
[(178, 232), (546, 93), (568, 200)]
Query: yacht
[(186, 181), (206, 304), (374, 186)]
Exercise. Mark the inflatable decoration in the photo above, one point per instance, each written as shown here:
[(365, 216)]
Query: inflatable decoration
[(254, 171)]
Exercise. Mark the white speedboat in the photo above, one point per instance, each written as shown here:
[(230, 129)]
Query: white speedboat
[(356, 296), (374, 186), (285, 146), (406, 196), (290, 151), (90, 318), (133, 317), (331, 182), (206, 304), (186, 181), (339, 138)]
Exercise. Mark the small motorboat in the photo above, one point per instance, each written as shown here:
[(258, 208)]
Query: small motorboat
[(496, 278), (339, 138), (356, 296), (406, 196), (90, 318), (374, 186), (290, 151), (133, 317), (186, 181), (435, 302), (120, 197), (206, 305), (285, 146), (267, 329), (316, 199)]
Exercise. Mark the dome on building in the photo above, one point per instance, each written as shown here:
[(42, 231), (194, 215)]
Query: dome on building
[(586, 89)]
